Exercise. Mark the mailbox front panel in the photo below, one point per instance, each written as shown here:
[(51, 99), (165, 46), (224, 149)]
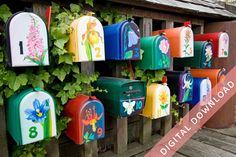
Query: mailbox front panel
[(37, 117), (87, 40), (123, 41), (185, 87), (157, 103), (130, 41), (156, 53), (201, 91), (27, 45), (223, 45), (186, 42), (91, 121)]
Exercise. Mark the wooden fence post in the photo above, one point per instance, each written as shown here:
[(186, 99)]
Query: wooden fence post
[(89, 149), (166, 122), (3, 134), (145, 131), (120, 126)]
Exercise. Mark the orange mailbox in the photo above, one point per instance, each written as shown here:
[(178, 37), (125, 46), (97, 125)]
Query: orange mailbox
[(215, 75), (87, 119), (181, 41)]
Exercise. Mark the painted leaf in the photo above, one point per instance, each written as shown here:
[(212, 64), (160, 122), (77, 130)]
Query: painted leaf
[(128, 54)]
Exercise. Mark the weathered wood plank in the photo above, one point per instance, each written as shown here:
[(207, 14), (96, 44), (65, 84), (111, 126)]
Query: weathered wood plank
[(3, 135), (215, 139), (195, 148), (228, 131), (134, 148)]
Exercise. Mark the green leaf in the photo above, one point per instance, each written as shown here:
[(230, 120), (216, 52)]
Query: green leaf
[(15, 82), (4, 12), (90, 2), (60, 43), (66, 58), (75, 8), (59, 73), (62, 123), (1, 98), (75, 69), (44, 75), (55, 8)]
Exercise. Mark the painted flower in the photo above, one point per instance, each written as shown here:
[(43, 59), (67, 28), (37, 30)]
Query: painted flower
[(129, 107), (187, 83), (163, 97), (164, 46), (208, 53), (188, 36), (88, 137), (132, 38), (39, 113), (34, 45), (225, 39)]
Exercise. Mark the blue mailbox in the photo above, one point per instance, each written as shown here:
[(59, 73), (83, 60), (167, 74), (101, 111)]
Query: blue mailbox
[(122, 41)]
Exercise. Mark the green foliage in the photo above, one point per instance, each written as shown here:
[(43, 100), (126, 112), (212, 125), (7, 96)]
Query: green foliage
[(4, 12), (112, 16), (31, 150)]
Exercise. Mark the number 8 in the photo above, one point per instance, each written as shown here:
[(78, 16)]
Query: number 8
[(33, 132)]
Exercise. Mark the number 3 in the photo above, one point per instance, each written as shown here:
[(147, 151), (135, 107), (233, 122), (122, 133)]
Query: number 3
[(33, 132)]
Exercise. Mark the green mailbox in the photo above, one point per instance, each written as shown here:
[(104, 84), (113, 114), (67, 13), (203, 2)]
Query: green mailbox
[(203, 51), (156, 53), (124, 97)]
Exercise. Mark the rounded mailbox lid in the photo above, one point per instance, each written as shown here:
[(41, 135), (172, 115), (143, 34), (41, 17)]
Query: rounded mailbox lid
[(186, 42), (205, 90), (37, 117)]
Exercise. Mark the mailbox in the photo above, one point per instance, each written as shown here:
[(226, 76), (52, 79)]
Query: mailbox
[(156, 53), (31, 116), (201, 90), (202, 56), (122, 41), (181, 41), (27, 40), (87, 39), (124, 97), (215, 75), (157, 103), (87, 119), (181, 84), (220, 41)]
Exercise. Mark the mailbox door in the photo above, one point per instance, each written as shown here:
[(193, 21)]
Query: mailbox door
[(205, 90), (130, 41), (90, 39), (186, 42), (132, 98), (206, 55), (37, 117), (92, 123), (185, 87), (162, 53), (27, 45), (223, 45)]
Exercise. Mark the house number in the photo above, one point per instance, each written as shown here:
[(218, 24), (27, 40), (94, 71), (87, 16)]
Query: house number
[(33, 132)]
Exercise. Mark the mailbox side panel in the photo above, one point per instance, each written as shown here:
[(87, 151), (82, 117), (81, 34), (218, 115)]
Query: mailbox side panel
[(112, 37), (37, 117), (92, 121), (130, 41), (27, 45), (205, 90)]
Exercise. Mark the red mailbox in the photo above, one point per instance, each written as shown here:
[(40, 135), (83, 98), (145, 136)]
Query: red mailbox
[(220, 42), (87, 119)]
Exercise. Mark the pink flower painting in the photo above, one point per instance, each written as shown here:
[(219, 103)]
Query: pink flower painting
[(36, 51), (164, 46)]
